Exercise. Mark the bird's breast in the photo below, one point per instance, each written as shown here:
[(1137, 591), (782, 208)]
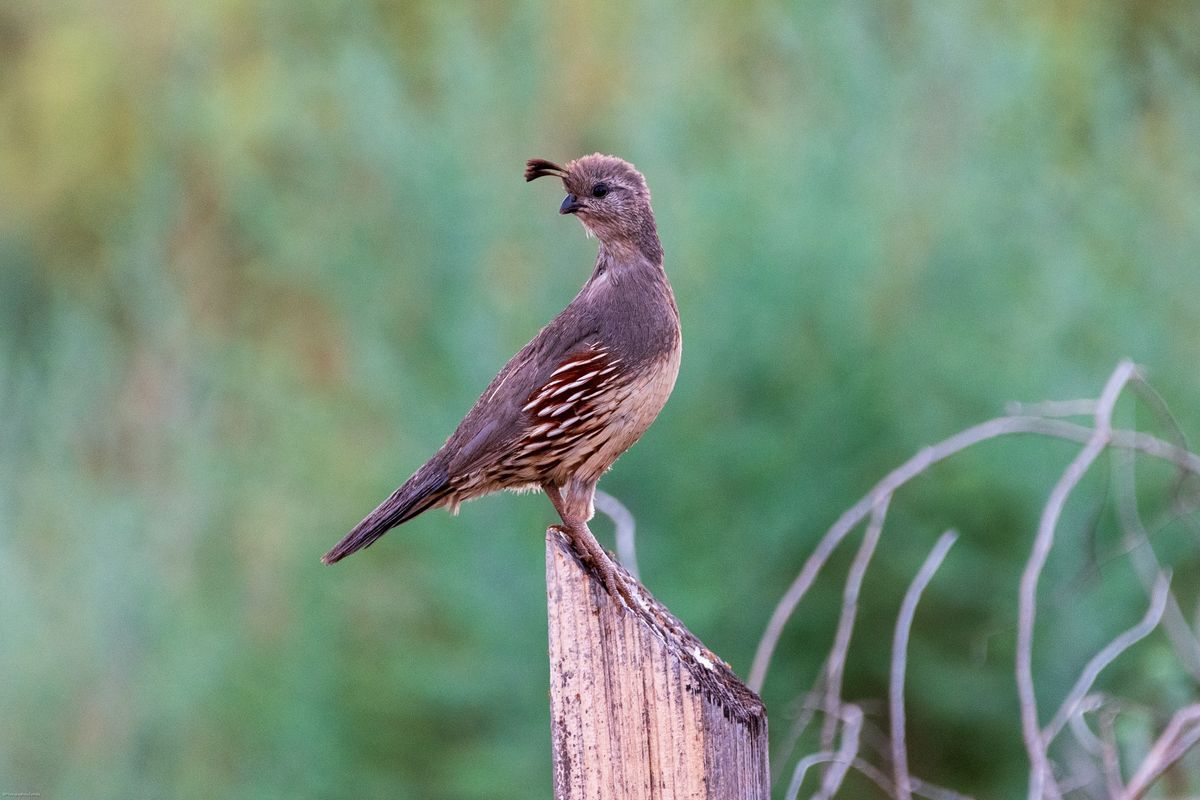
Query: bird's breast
[(590, 410), (627, 412)]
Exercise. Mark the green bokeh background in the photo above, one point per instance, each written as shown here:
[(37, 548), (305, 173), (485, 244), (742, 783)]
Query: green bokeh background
[(257, 258)]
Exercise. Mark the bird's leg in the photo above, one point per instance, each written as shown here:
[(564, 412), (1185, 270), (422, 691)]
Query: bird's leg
[(574, 516), (585, 543)]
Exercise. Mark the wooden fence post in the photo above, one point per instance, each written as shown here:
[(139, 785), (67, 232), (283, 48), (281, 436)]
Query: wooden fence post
[(640, 709)]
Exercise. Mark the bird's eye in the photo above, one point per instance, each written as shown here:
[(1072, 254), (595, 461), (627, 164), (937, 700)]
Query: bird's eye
[(599, 190)]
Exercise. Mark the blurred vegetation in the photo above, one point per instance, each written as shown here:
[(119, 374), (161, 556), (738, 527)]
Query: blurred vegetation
[(257, 258)]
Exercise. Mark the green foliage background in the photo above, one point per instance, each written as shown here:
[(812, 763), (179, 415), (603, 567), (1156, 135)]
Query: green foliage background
[(257, 258)]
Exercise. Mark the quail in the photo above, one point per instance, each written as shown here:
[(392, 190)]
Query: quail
[(581, 393)]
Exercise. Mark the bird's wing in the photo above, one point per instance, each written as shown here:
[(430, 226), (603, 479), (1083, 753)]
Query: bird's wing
[(573, 387), (499, 419), (573, 402)]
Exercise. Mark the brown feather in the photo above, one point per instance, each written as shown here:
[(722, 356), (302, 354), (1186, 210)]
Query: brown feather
[(541, 168)]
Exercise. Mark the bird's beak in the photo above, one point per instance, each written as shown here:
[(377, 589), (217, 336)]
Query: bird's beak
[(570, 205)]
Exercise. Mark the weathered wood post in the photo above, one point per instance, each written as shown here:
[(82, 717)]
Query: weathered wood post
[(640, 709)]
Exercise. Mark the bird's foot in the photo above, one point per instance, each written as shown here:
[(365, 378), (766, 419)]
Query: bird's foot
[(615, 583)]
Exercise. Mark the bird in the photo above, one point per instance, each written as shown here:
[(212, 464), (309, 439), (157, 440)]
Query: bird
[(577, 396)]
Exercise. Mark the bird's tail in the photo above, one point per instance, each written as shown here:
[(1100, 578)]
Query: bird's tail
[(419, 493)]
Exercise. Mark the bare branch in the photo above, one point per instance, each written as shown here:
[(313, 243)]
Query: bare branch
[(1082, 773), (935, 792), (1000, 426), (808, 709), (875, 775), (1145, 443), (1163, 609), (1158, 406), (1137, 543), (1165, 418), (625, 525), (928, 456), (1053, 408), (1181, 735), (908, 609), (1109, 758), (1070, 706), (802, 768), (836, 666), (1041, 780), (1079, 727), (852, 720), (920, 788)]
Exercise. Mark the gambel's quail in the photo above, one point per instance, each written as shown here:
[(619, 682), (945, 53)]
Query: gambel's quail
[(581, 393)]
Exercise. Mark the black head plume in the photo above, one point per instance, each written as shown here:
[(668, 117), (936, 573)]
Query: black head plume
[(540, 168)]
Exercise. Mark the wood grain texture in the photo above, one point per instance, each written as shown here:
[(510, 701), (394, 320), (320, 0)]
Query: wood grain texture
[(640, 709)]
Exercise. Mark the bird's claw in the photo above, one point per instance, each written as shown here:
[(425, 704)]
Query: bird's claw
[(615, 584)]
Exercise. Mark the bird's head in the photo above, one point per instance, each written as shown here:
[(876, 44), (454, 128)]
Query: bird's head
[(608, 195)]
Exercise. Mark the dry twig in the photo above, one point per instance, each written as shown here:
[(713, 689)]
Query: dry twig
[(920, 788), (1041, 780), (1180, 736), (1071, 705), (1079, 727), (809, 705), (1109, 758), (852, 720), (1136, 541), (836, 665), (1176, 740), (1053, 408), (927, 457), (908, 609), (626, 527), (845, 757), (802, 768)]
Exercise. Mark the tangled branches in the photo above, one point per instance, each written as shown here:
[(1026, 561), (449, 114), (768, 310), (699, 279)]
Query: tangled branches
[(843, 722)]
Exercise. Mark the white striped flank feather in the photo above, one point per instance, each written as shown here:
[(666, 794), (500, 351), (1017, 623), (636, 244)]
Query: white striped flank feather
[(581, 419)]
